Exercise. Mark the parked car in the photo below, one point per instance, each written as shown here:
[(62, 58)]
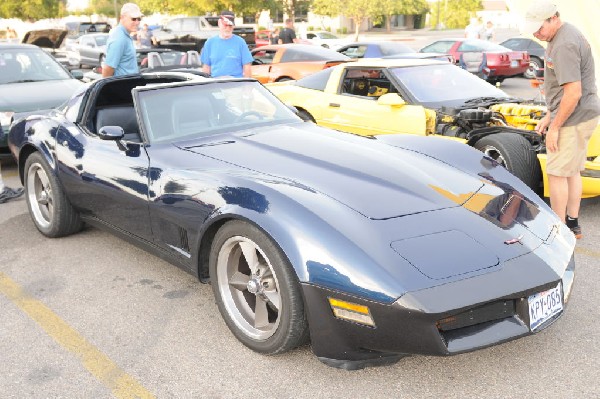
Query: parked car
[(90, 49), (324, 39), (279, 62), (372, 248), (76, 29), (387, 49), (156, 60), (262, 38), (537, 53), (431, 98), (500, 61), (31, 81), (190, 33), (51, 41)]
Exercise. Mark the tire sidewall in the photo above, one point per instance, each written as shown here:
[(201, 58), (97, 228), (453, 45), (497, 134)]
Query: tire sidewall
[(38, 159), (287, 284)]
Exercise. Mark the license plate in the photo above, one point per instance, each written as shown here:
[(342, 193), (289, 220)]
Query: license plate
[(514, 64), (544, 305)]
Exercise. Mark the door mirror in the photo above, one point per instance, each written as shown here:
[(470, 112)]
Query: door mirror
[(391, 99)]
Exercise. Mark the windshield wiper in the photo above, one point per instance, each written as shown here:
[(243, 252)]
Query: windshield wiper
[(493, 99), (26, 81)]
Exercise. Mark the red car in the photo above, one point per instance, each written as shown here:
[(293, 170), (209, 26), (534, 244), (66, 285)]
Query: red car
[(262, 38), (498, 62)]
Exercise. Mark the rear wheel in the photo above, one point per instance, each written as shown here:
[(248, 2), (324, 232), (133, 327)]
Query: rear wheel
[(516, 154), (534, 63), (49, 207), (256, 289)]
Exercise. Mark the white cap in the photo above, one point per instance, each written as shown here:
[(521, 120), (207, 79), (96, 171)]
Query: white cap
[(537, 13), (131, 10)]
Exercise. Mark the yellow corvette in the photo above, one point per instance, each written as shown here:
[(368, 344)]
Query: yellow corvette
[(425, 97)]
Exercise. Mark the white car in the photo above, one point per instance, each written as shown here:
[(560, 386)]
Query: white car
[(325, 39)]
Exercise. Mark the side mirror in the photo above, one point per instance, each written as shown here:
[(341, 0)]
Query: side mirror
[(111, 133), (391, 99), (77, 74)]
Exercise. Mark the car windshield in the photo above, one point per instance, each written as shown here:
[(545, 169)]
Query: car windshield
[(29, 64), (443, 83), (194, 111)]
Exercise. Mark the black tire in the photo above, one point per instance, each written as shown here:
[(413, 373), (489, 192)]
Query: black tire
[(262, 305), (306, 117), (516, 154), (533, 63), (50, 210), (284, 79), (102, 58)]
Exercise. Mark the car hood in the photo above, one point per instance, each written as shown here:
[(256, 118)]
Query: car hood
[(34, 96), (46, 38), (378, 181)]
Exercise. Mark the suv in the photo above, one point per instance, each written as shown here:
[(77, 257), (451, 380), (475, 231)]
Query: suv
[(190, 33)]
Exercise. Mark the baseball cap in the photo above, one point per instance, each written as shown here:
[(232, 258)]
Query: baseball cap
[(132, 10), (227, 17), (537, 13)]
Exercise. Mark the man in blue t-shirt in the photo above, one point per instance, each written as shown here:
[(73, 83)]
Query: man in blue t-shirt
[(120, 50), (226, 54)]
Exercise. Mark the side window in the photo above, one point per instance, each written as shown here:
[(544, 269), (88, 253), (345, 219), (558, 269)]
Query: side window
[(355, 51), (369, 83), (190, 24), (264, 56), (174, 25), (438, 47)]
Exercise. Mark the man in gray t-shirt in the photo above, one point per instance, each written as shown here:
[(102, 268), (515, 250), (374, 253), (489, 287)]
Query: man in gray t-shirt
[(573, 107)]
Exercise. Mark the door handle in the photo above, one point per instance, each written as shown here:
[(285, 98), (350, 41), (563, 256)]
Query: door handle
[(334, 105)]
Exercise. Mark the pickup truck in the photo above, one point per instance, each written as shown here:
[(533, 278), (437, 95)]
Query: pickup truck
[(190, 33), (245, 32)]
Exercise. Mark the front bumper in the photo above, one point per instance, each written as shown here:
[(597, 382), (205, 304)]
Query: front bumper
[(494, 307)]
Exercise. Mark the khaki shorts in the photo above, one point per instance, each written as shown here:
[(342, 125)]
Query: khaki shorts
[(570, 158)]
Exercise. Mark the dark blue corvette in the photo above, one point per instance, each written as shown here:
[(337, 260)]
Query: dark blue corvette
[(372, 248)]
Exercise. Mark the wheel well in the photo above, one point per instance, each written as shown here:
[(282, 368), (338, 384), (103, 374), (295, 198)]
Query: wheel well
[(23, 155), (204, 248), (300, 110), (284, 78)]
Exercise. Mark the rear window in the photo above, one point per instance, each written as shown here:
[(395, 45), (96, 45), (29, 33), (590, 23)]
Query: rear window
[(314, 53), (315, 81)]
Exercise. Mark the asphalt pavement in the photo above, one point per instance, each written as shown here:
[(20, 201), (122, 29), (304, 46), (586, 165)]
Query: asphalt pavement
[(90, 316)]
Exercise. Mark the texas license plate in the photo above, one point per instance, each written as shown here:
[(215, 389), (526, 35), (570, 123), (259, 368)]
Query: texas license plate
[(544, 305)]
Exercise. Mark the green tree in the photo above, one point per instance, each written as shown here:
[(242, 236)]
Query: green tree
[(32, 9), (388, 8), (357, 10), (455, 14)]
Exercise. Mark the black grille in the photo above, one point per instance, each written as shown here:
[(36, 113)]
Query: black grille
[(489, 312)]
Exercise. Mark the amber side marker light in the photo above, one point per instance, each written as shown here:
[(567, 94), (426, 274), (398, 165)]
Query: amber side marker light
[(352, 312)]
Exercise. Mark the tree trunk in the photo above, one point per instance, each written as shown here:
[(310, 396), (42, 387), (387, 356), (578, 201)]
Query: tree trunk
[(388, 23)]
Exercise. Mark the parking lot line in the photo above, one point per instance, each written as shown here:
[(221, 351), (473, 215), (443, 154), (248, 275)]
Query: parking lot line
[(587, 252), (97, 363)]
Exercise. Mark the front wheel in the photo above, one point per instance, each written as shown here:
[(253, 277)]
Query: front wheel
[(256, 289), (48, 205), (515, 153)]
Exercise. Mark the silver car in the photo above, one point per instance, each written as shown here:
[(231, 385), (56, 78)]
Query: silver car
[(91, 49)]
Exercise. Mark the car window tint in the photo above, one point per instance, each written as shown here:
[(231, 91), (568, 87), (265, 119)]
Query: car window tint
[(311, 53), (443, 83), (354, 51), (264, 56), (438, 47), (315, 81)]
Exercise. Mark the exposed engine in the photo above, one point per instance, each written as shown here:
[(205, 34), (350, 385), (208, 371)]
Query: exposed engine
[(460, 122)]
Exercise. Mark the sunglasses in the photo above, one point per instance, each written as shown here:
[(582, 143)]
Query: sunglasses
[(136, 19)]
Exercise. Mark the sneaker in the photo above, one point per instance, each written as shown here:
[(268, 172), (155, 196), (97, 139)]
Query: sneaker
[(10, 193), (577, 231)]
